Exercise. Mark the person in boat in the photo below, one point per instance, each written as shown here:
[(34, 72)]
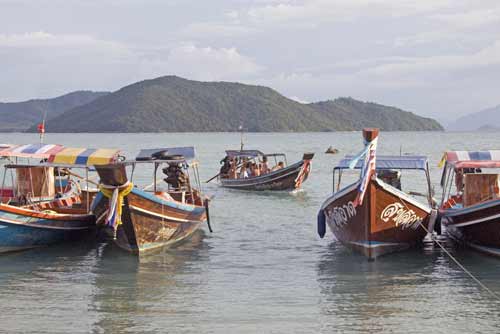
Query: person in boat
[(225, 168), (264, 167), (279, 166), (232, 170), (243, 172), (255, 169), (250, 169)]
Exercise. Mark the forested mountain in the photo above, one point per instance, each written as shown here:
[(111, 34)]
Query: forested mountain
[(488, 119), (170, 103), (19, 116)]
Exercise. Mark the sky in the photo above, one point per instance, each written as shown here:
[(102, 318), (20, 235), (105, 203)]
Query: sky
[(438, 58)]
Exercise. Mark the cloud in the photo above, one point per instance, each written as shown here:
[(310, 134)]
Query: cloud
[(215, 29), (298, 99), (470, 18), (44, 39), (401, 52), (341, 10), (78, 61), (207, 63), (487, 56)]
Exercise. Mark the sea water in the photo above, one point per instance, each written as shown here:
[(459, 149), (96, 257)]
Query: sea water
[(264, 269)]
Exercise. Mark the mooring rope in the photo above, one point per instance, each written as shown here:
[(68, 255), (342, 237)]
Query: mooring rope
[(474, 278)]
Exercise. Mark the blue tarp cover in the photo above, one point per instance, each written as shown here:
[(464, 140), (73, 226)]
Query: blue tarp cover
[(390, 162)]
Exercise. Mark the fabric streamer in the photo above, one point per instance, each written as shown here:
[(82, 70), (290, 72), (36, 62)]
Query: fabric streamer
[(367, 170), (115, 196), (306, 168)]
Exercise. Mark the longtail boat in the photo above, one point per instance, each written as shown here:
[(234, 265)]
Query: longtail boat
[(158, 215), (280, 177), (373, 215), (35, 210), (470, 207)]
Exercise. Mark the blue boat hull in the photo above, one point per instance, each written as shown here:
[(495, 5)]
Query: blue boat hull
[(20, 231)]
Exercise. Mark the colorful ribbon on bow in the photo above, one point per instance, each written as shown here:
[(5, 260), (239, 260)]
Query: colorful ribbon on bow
[(115, 196), (367, 169), (304, 171)]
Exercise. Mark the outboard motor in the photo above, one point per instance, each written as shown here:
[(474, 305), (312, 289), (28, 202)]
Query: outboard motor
[(175, 176)]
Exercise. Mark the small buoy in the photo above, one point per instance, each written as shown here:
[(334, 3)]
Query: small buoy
[(331, 150)]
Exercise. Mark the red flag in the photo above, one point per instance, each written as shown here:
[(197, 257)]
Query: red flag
[(41, 128)]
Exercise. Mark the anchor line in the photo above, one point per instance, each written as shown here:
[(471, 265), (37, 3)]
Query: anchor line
[(474, 278)]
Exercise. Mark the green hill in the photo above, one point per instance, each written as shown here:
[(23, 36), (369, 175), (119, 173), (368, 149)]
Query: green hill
[(170, 104), (351, 114), (19, 116)]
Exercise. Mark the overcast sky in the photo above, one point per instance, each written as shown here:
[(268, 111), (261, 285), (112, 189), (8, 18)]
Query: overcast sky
[(434, 57)]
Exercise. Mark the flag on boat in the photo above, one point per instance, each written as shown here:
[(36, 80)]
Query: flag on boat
[(41, 128), (367, 170)]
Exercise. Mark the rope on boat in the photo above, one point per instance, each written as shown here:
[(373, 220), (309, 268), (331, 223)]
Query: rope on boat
[(474, 278), (461, 266)]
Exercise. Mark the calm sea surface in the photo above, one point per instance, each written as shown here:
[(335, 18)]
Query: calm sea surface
[(263, 270)]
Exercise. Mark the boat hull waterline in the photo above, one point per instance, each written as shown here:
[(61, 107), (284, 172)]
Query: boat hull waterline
[(477, 226), (22, 228), (150, 223), (283, 179), (387, 221)]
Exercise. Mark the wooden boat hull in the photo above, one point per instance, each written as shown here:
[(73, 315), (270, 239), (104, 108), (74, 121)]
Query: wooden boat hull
[(150, 223), (388, 220), (283, 179), (22, 228), (477, 226)]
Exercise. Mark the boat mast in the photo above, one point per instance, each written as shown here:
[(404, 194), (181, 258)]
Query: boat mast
[(240, 128)]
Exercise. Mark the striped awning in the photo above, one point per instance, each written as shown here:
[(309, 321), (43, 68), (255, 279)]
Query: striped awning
[(84, 156), (472, 159), (37, 151)]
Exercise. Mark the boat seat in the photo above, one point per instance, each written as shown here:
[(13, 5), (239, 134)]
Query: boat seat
[(178, 195)]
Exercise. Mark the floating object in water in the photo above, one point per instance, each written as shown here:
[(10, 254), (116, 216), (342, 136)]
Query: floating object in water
[(331, 150)]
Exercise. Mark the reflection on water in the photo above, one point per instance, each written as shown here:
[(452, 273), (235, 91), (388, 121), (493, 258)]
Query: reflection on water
[(142, 294), (98, 287), (420, 290)]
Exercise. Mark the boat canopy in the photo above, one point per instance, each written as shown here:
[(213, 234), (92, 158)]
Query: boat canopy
[(389, 162), (250, 154), (188, 153), (472, 159), (84, 156), (244, 153), (36, 151)]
